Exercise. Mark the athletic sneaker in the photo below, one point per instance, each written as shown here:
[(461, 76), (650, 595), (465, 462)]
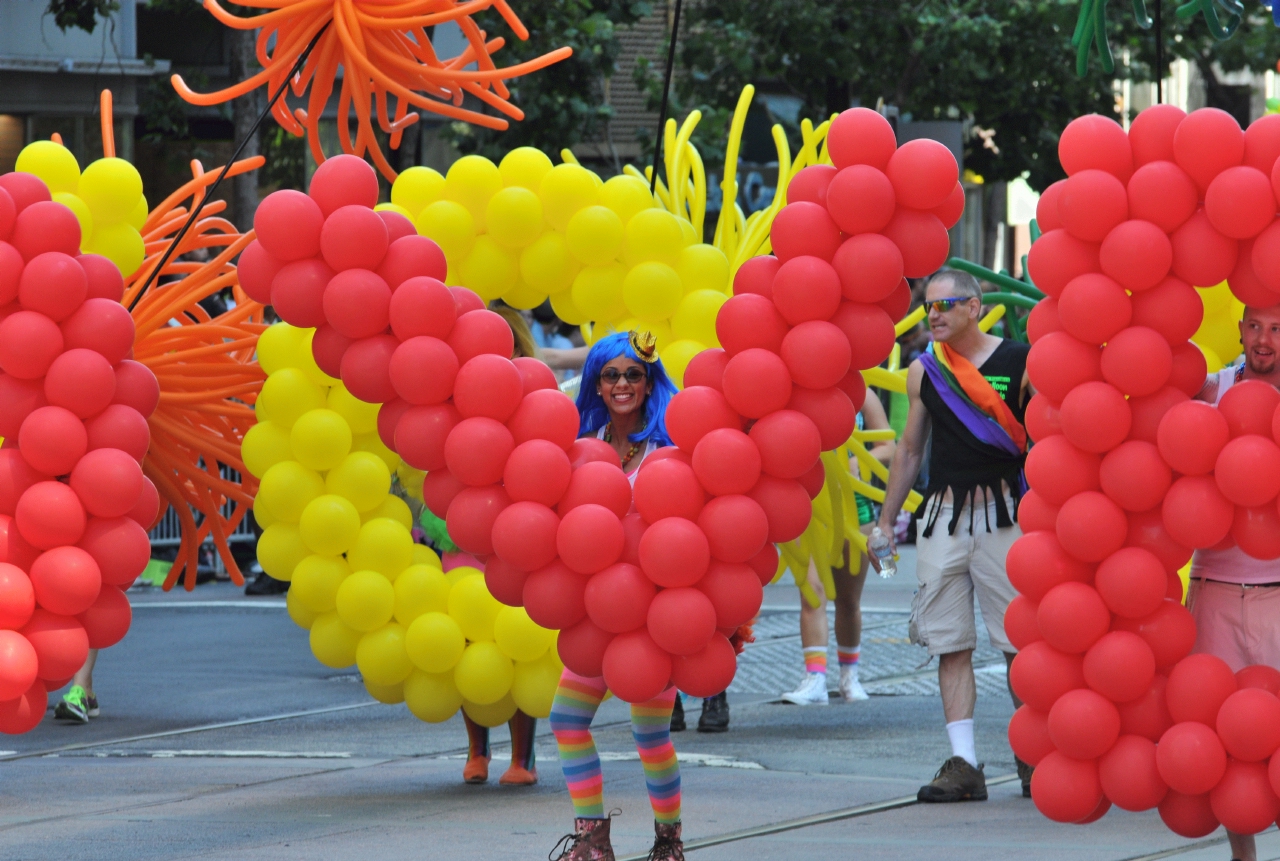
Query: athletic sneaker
[(74, 706), (850, 687), (91, 703), (812, 691)]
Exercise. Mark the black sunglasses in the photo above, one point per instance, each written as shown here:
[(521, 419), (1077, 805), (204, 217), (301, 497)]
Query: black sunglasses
[(632, 376)]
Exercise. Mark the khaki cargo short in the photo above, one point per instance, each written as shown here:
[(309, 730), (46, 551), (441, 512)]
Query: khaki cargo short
[(950, 569)]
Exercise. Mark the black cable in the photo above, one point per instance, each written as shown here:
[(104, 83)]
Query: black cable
[(1159, 55), (666, 90), (208, 195)]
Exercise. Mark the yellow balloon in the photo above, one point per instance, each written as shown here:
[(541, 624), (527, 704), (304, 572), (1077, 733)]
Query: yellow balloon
[(460, 573), (411, 480), (626, 195), (652, 291), (688, 236), (278, 347), (492, 715), (524, 166), (392, 508), (53, 163), (564, 307), (474, 609), (332, 642), (420, 589), (417, 188), (82, 213), (597, 291), (396, 208), (534, 686), (287, 394), (451, 225), (111, 187), (566, 189), (389, 694), (362, 478), (119, 243), (138, 218), (1213, 364), (704, 267), (329, 525), (303, 616), (264, 445), (676, 357), (424, 555), (519, 637), (373, 444), (320, 439), (381, 656), (288, 487), (488, 269), (523, 297), (432, 697), (695, 318), (1216, 299), (305, 361), (261, 514), (660, 330), (316, 580), (483, 674), (280, 549), (384, 546), (434, 642), (654, 235), (365, 600), (547, 265), (471, 181), (362, 417), (514, 217), (594, 235)]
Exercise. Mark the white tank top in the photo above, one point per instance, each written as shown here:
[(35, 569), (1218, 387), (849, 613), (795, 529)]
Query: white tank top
[(649, 447), (1232, 565)]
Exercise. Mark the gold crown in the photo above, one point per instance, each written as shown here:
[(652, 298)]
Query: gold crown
[(645, 346)]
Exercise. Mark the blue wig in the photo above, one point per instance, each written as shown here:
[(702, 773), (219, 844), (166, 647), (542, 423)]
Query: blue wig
[(591, 408)]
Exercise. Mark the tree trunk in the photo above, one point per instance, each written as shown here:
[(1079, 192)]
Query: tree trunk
[(994, 203), (244, 110)]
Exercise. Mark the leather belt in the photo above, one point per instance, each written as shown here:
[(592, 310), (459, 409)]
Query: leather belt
[(1241, 585)]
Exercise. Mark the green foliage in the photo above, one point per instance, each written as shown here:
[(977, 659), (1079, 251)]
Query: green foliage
[(163, 112), (286, 157), (81, 14), (564, 103)]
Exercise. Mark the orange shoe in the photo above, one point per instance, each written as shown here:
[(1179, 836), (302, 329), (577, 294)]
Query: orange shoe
[(518, 776), (476, 770)]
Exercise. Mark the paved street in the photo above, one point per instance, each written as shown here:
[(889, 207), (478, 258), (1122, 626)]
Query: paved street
[(221, 737)]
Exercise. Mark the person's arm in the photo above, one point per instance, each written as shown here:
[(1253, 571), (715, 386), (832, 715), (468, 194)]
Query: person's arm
[(564, 360), (906, 460), (874, 418), (1209, 391)]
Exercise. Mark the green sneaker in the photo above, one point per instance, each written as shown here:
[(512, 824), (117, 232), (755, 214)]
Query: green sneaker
[(74, 706)]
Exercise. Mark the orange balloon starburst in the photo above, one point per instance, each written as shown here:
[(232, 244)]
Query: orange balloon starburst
[(384, 51)]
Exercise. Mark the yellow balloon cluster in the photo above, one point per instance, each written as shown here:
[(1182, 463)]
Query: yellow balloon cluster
[(1219, 334), (106, 198), (368, 594)]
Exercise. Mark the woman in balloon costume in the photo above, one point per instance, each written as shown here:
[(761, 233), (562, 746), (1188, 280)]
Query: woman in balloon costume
[(623, 401)]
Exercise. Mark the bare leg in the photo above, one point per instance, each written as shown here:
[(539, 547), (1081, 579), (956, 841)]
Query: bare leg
[(1243, 847), (84, 675), (1008, 662), (813, 620), (959, 688), (849, 598)]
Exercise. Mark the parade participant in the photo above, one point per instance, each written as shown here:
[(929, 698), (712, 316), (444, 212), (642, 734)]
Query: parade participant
[(623, 401), (848, 597), (970, 389), (1234, 598)]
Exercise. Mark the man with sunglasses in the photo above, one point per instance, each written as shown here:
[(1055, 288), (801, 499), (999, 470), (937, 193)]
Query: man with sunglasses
[(969, 391)]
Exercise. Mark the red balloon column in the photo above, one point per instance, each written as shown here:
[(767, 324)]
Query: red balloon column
[(1129, 475), (74, 504)]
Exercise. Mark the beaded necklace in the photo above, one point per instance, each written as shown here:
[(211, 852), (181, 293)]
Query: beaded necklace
[(635, 446)]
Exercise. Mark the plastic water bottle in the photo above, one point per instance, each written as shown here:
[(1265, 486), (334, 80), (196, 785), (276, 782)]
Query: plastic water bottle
[(878, 544)]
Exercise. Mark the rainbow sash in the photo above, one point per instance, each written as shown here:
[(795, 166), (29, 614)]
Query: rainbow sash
[(973, 400)]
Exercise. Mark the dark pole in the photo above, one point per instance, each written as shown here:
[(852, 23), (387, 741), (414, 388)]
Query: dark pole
[(1159, 55), (666, 90), (195, 210)]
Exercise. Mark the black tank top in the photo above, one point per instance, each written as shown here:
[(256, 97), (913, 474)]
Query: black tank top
[(960, 461)]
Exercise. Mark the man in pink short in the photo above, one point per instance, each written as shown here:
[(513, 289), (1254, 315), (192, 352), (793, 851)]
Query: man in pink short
[(1234, 598)]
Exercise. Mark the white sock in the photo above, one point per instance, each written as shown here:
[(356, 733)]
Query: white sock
[(961, 734)]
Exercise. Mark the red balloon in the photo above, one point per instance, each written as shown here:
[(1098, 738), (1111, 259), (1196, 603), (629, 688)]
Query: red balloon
[(60, 642), (489, 386), (423, 369), (1129, 776), (591, 450), (1201, 255), (785, 504), (1020, 622), (1058, 363), (1262, 143), (817, 354), (1091, 527), (1034, 514), (922, 240), (1047, 207), (765, 564), (137, 387), (636, 668), (804, 229), (861, 199), (707, 368), (1151, 133), (344, 180), (854, 388), (17, 399), (1072, 617), (389, 415), (524, 535), (410, 257), (1066, 789), (366, 368), (1248, 470), (1137, 361), (147, 512), (476, 450), (534, 375), (1188, 815), (756, 383), (120, 548), (756, 276), (1083, 724), (1137, 254), (101, 325), (1131, 582), (256, 268), (1197, 512), (1135, 476), (1248, 723), (582, 648), (1206, 143), (1091, 204), (66, 580), (108, 482), (705, 673), (288, 225), (1161, 192), (1057, 257), (554, 596), (421, 306), (354, 237), (1243, 800), (108, 619), (81, 381), (589, 539), (870, 333), (1239, 202), (1249, 407), (465, 300), (861, 136), (18, 664), (48, 514), (471, 515), (357, 302), (811, 184), (1261, 677), (1198, 686), (1029, 735), (726, 461), (674, 552), (668, 488), (505, 582), (1244, 281), (1147, 716), (46, 226), (29, 342), (1190, 758), (682, 621), (923, 173), (297, 292), (53, 284), (1093, 308), (749, 320), (598, 483), (1191, 436), (633, 529), (25, 189), (543, 414), (17, 599), (1095, 142), (898, 302), (1120, 666), (1095, 417), (1150, 410), (439, 489), (1265, 256), (618, 598), (1057, 470), (806, 288), (24, 713), (1169, 631), (735, 593), (478, 332), (1172, 308), (1037, 563), (16, 475), (736, 527), (537, 471), (788, 442), (1040, 674)]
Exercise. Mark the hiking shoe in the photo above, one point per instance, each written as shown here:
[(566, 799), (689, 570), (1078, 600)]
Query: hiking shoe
[(667, 842), (812, 691), (588, 842), (957, 780), (74, 706), (1024, 774), (677, 715), (850, 688), (715, 714)]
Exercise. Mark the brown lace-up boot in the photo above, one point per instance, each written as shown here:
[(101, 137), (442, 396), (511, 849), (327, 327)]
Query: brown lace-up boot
[(588, 842), (667, 845)]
